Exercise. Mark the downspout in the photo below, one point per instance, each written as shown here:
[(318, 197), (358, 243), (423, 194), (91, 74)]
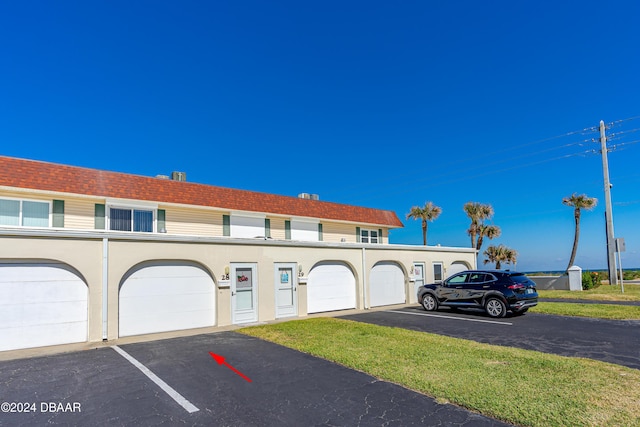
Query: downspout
[(105, 288), (364, 278)]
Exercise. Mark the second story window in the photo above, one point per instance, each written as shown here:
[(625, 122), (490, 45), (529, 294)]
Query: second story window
[(369, 236), (139, 220), (24, 213)]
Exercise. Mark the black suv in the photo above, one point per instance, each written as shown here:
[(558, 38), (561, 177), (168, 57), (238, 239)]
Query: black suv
[(495, 291)]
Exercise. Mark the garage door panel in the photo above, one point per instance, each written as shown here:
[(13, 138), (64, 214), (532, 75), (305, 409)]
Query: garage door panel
[(168, 303), (47, 313), (50, 292), (331, 286), (23, 315), (45, 290), (168, 321), (41, 304), (167, 272), (178, 291), (160, 298), (41, 335), (387, 284)]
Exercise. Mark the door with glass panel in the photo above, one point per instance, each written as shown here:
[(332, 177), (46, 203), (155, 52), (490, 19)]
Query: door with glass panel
[(244, 281), (418, 276), (286, 289)]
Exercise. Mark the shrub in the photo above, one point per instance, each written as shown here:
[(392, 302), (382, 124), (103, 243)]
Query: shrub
[(596, 278), (590, 280)]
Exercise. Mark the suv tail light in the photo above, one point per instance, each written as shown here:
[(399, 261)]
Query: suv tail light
[(516, 286)]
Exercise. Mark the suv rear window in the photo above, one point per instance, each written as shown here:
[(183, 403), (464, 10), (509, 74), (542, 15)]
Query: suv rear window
[(520, 278)]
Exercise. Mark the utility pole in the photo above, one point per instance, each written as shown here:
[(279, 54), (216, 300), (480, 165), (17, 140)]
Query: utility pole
[(611, 246)]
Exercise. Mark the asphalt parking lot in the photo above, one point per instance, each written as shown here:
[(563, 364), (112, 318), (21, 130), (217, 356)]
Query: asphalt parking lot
[(614, 341), (177, 381), (271, 386)]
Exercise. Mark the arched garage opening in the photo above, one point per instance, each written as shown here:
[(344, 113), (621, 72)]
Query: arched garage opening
[(163, 296), (41, 303), (331, 286), (386, 284), (457, 267)]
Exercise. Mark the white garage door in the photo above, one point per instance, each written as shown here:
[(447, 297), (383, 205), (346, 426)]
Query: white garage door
[(40, 305), (331, 286), (159, 298), (456, 267), (386, 284)]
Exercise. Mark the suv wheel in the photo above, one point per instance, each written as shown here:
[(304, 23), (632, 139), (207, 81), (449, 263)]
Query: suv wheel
[(429, 302), (495, 308)]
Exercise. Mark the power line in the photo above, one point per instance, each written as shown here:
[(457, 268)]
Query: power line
[(435, 179), (617, 147), (492, 172), (584, 131), (626, 177), (439, 179), (617, 122), (632, 202), (476, 157), (622, 134), (520, 166)]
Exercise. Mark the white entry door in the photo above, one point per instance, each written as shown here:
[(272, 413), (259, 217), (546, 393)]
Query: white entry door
[(286, 286), (418, 276), (244, 299)]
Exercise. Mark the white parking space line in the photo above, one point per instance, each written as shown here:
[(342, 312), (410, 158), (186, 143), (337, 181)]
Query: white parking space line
[(453, 318), (188, 406)]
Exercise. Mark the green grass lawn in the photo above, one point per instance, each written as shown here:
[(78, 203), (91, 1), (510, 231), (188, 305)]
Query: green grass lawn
[(603, 293), (518, 386), (599, 311)]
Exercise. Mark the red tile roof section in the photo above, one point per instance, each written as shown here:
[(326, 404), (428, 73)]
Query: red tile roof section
[(38, 175)]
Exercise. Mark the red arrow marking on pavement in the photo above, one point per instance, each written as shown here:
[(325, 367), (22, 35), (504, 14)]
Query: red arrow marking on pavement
[(221, 361)]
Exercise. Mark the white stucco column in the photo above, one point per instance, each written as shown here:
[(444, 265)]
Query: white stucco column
[(575, 278)]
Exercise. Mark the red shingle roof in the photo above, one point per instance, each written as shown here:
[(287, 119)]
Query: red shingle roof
[(91, 182)]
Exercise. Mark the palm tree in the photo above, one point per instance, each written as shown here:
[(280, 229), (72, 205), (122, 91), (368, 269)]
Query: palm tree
[(472, 209), (428, 213), (488, 231), (510, 256), (499, 254), (478, 213), (578, 202)]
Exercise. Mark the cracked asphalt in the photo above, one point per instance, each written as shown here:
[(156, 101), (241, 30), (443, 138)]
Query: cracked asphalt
[(287, 388)]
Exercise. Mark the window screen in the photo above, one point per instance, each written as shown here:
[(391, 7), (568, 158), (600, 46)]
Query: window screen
[(143, 221), (9, 212), (35, 214), (120, 219)]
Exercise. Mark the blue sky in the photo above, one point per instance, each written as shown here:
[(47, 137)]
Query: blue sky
[(378, 104)]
